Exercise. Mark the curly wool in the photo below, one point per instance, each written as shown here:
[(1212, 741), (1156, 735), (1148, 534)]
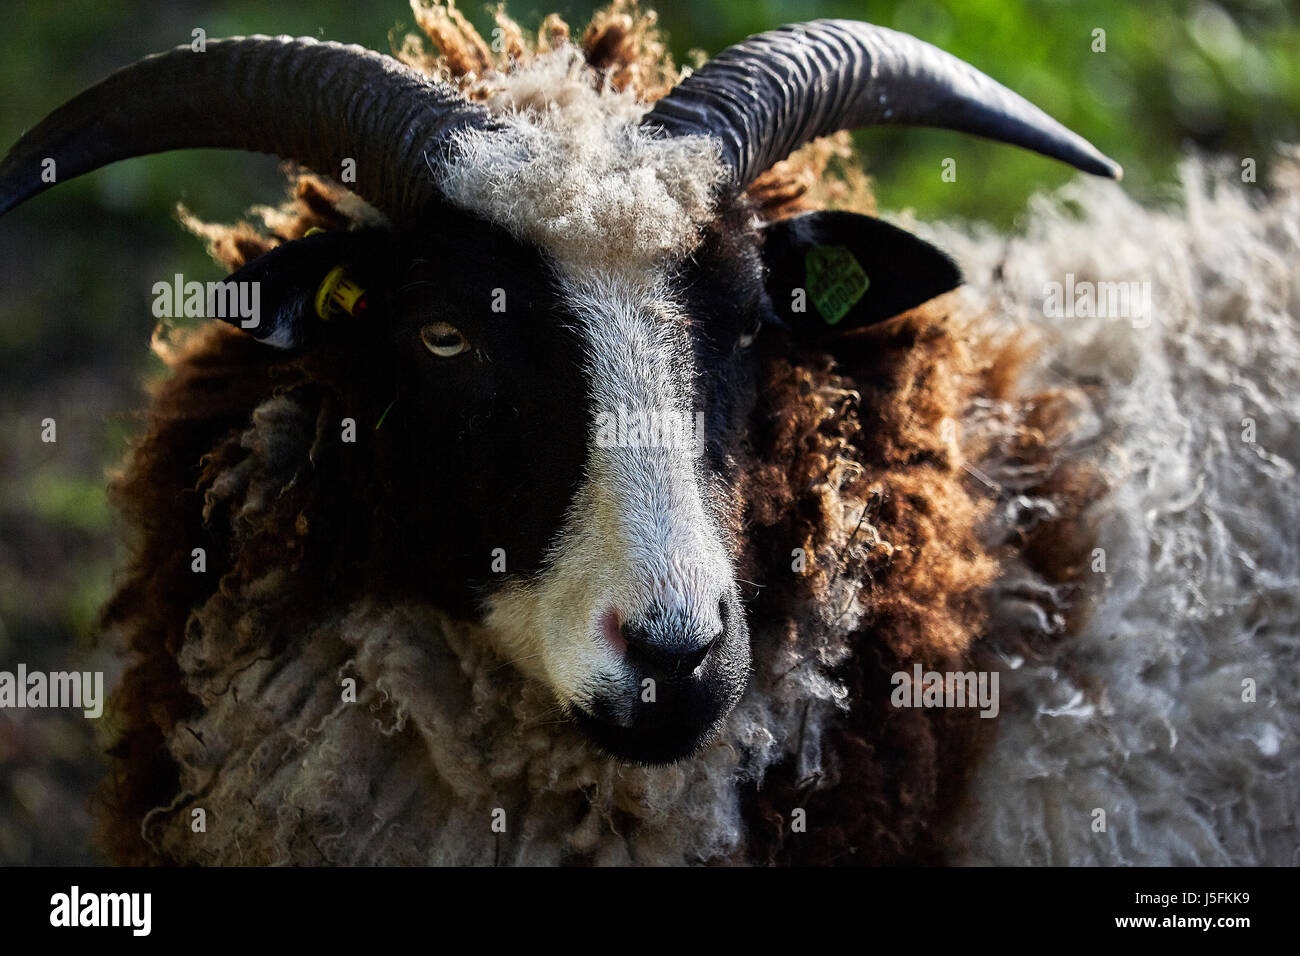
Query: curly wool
[(1143, 712), (574, 174)]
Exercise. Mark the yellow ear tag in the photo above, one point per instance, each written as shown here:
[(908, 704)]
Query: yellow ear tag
[(338, 293)]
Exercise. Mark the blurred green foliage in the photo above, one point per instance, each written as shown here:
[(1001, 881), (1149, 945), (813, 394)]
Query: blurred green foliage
[(78, 263)]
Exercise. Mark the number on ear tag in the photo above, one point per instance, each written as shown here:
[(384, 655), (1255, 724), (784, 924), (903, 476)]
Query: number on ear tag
[(835, 281)]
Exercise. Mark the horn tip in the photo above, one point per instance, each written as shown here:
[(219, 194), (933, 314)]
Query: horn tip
[(1099, 164)]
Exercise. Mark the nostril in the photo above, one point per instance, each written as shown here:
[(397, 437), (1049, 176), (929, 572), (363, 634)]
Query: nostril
[(692, 659), (660, 642)]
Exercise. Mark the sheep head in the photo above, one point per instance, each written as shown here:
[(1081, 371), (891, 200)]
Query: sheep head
[(564, 307)]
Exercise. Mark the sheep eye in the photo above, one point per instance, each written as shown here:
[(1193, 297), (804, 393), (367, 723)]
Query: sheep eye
[(443, 340)]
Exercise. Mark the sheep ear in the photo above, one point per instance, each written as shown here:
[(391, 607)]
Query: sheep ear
[(832, 272), (286, 296)]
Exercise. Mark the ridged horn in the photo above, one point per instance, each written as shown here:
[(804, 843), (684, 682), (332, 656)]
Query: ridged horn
[(765, 97), (313, 102)]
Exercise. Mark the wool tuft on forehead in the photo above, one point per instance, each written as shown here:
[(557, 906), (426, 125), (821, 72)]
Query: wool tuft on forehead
[(574, 173)]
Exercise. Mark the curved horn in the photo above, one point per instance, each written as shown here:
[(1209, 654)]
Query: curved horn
[(310, 101), (766, 96)]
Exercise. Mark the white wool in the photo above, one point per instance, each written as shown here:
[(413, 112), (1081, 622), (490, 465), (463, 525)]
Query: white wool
[(574, 173), (442, 741), (1141, 713)]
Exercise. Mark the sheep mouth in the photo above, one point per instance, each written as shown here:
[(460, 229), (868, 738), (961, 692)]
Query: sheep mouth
[(664, 741), (683, 718)]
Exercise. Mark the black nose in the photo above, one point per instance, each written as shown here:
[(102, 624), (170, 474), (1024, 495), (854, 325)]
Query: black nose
[(672, 643)]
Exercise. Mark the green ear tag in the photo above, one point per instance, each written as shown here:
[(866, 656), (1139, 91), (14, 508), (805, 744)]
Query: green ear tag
[(835, 281)]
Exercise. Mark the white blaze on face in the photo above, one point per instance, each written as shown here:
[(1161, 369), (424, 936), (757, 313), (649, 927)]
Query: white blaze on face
[(639, 533), (571, 170)]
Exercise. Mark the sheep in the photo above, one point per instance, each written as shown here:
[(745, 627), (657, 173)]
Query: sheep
[(407, 648)]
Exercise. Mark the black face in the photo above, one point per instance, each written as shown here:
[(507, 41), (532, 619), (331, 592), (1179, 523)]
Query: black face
[(491, 428), (488, 424), (722, 289)]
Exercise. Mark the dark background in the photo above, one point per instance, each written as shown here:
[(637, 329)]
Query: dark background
[(77, 264)]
